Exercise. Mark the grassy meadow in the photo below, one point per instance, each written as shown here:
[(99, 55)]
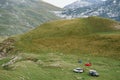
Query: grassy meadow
[(59, 66)]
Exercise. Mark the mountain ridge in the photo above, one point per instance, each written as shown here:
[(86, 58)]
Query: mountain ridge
[(107, 9)]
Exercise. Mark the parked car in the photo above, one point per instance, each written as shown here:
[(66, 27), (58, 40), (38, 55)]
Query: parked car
[(93, 73), (78, 70)]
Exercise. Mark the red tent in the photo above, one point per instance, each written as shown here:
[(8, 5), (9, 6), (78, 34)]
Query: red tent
[(88, 64)]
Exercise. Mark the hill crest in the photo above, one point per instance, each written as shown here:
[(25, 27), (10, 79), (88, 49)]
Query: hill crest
[(94, 35)]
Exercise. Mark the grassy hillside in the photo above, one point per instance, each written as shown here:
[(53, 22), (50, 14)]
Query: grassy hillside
[(52, 51), (57, 66), (96, 36), (20, 16)]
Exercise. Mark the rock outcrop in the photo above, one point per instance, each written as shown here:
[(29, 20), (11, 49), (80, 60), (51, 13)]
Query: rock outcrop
[(6, 47)]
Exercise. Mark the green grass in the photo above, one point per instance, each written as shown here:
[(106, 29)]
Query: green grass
[(52, 51), (86, 35), (58, 66)]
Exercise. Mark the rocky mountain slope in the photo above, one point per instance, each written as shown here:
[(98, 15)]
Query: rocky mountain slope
[(108, 9), (18, 16), (82, 3)]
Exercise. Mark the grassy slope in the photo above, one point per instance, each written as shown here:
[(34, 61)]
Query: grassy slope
[(19, 18), (54, 66), (92, 35), (50, 43)]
